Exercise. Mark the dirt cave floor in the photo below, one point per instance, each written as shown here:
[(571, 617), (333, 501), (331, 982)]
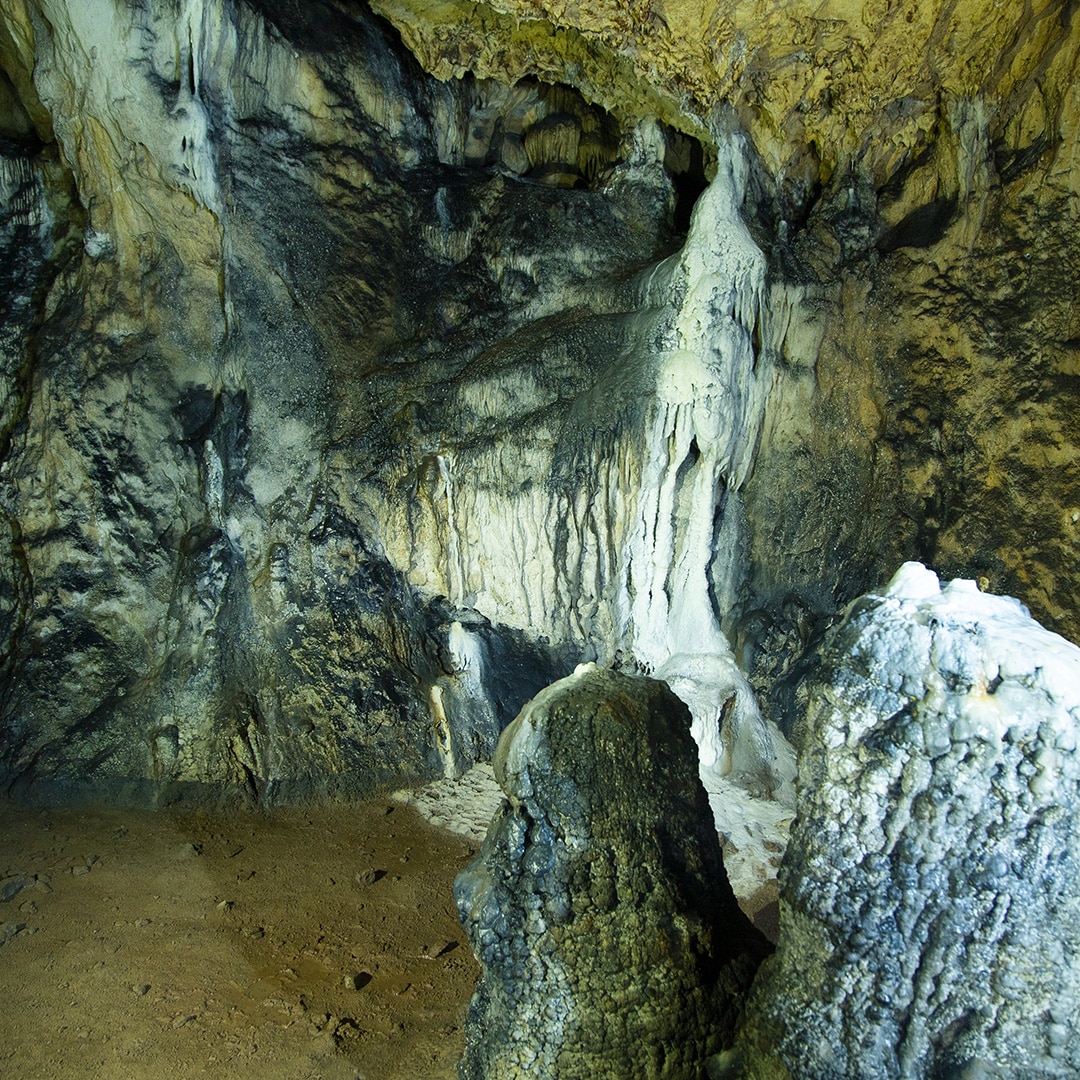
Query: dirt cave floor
[(292, 945)]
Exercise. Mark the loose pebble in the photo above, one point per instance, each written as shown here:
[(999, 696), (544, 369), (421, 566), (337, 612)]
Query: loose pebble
[(8, 930), (433, 952), (11, 886)]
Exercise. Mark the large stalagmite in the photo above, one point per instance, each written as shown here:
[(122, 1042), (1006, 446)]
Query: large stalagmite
[(609, 947), (931, 893)]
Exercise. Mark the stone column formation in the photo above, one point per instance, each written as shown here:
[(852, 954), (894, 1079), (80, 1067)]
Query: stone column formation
[(611, 942), (930, 895)]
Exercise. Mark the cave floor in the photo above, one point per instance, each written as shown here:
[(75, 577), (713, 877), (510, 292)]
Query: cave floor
[(309, 944)]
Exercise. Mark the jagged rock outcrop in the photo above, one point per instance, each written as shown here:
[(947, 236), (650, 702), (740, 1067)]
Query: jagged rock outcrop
[(610, 940), (931, 892), (918, 193)]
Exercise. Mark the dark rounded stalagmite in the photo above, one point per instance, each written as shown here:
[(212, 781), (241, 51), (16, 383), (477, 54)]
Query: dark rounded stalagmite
[(610, 939)]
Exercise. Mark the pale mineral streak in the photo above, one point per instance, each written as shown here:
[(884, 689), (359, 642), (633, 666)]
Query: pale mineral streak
[(640, 576)]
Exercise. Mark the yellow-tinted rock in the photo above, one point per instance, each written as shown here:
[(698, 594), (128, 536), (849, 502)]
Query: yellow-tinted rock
[(554, 141), (824, 72), (265, 213)]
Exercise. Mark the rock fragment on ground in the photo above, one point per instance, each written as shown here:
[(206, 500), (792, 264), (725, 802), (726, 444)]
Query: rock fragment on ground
[(11, 886), (9, 930), (463, 805)]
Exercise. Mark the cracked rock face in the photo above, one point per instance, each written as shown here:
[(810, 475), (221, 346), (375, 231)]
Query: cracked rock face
[(337, 404), (610, 939), (285, 245), (930, 897)]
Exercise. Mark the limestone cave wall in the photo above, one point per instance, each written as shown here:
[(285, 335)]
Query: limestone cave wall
[(366, 368)]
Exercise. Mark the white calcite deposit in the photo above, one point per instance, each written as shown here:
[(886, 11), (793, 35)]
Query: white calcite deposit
[(930, 896), (612, 531)]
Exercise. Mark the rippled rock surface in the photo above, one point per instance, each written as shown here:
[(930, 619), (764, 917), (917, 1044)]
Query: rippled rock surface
[(344, 407), (610, 939), (930, 896)]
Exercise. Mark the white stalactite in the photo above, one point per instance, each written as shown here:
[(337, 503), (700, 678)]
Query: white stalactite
[(455, 583), (711, 401)]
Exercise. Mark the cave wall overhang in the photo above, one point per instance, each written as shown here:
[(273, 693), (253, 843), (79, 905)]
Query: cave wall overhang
[(915, 183), (818, 88)]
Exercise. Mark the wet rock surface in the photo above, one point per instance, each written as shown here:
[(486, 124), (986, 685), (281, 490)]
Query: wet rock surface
[(930, 895), (241, 365), (610, 940)]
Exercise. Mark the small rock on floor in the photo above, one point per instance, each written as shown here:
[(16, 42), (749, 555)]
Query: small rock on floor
[(11, 886), (8, 930)]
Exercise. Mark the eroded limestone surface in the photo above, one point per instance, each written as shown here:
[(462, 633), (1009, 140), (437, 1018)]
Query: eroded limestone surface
[(345, 407), (291, 243), (610, 939), (346, 427), (930, 897), (918, 194)]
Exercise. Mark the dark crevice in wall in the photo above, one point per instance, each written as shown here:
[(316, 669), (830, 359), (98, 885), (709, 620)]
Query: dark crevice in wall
[(922, 227), (685, 162)]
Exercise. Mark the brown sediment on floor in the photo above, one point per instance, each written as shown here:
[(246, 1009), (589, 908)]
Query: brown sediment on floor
[(320, 943)]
